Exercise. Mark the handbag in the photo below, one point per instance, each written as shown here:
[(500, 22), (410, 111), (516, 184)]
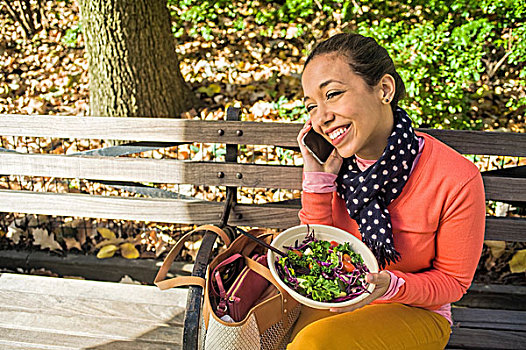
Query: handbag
[(269, 320), (243, 292)]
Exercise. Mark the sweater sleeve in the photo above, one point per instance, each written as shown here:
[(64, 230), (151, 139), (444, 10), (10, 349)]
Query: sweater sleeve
[(316, 199), (316, 208), (459, 240)]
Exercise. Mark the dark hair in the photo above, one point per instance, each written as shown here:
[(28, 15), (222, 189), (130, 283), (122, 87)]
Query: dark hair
[(366, 58)]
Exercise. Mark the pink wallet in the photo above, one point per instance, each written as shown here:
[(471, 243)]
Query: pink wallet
[(243, 292)]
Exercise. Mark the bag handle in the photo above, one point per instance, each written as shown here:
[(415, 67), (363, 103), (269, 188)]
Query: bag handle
[(264, 272), (286, 300), (217, 277), (174, 252)]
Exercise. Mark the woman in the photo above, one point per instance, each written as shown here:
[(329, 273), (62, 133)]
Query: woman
[(418, 204)]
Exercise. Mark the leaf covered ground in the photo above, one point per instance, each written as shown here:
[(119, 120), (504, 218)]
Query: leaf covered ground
[(47, 74)]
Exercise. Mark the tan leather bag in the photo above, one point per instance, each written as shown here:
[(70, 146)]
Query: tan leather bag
[(269, 322)]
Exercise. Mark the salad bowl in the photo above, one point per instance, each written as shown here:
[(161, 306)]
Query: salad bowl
[(295, 234)]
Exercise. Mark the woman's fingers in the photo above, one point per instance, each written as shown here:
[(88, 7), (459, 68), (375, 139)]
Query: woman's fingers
[(334, 163), (306, 127), (310, 164), (382, 280), (350, 308)]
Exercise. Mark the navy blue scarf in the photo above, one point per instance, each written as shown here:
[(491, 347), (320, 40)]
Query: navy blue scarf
[(367, 194)]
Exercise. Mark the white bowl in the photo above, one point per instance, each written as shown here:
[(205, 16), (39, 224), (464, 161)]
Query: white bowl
[(326, 233)]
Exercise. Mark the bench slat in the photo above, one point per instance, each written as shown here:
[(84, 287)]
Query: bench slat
[(143, 209), (489, 316), (190, 211), (150, 129), (89, 266), (265, 216), (496, 326), (495, 296), (482, 142), (51, 340), (64, 287), (73, 305), (55, 313), (200, 173), (505, 229), (254, 133), (105, 207), (505, 188), (151, 170), (472, 338), (503, 289)]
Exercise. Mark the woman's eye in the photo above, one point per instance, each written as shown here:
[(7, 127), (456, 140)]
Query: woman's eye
[(332, 94), (309, 108)]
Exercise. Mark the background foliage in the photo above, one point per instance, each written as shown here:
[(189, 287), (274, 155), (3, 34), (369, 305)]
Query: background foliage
[(462, 60)]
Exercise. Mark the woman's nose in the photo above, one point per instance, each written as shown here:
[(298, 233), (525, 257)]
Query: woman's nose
[(325, 115)]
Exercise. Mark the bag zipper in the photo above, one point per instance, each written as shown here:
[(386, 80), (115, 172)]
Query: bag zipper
[(231, 292)]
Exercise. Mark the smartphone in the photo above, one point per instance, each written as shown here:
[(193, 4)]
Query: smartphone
[(317, 145)]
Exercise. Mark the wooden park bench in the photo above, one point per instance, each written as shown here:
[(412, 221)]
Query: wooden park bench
[(34, 310)]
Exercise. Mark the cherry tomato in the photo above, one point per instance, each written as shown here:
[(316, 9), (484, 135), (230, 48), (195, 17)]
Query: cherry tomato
[(334, 244), (347, 258), (348, 267), (298, 253), (317, 263)]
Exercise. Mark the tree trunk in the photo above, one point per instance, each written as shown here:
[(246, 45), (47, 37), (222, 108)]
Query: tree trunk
[(133, 66)]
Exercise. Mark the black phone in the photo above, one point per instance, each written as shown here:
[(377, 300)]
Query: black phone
[(318, 146)]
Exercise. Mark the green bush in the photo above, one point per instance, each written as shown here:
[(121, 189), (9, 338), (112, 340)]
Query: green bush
[(447, 52)]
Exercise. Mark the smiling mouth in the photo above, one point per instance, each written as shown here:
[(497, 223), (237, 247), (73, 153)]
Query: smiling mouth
[(337, 135)]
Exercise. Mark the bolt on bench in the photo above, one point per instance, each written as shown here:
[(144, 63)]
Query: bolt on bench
[(488, 326)]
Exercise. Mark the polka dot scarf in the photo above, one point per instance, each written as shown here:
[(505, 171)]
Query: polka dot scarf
[(367, 194)]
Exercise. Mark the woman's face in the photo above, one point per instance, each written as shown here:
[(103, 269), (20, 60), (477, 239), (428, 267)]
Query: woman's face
[(344, 109)]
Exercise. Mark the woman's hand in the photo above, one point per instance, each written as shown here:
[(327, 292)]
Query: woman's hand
[(381, 280), (310, 164)]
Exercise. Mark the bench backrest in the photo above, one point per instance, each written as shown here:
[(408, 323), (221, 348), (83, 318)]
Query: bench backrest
[(506, 185)]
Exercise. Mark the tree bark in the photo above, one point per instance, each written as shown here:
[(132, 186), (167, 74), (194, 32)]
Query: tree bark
[(133, 65)]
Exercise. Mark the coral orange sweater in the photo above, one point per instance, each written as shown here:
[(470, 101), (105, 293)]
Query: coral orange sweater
[(438, 226)]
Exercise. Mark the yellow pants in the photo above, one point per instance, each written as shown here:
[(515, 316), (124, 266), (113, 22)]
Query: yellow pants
[(374, 327)]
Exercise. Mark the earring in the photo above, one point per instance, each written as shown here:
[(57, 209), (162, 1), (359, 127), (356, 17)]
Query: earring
[(386, 100)]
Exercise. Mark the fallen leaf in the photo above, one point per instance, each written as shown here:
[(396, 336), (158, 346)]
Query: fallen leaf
[(64, 231), (43, 272), (74, 277), (160, 247), (37, 220), (14, 233), (497, 248), (44, 239), (107, 251), (518, 262), (184, 154), (128, 280), (82, 228), (193, 247), (210, 90), (129, 251), (106, 233), (71, 242), (86, 230), (114, 241), (502, 209), (148, 255)]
